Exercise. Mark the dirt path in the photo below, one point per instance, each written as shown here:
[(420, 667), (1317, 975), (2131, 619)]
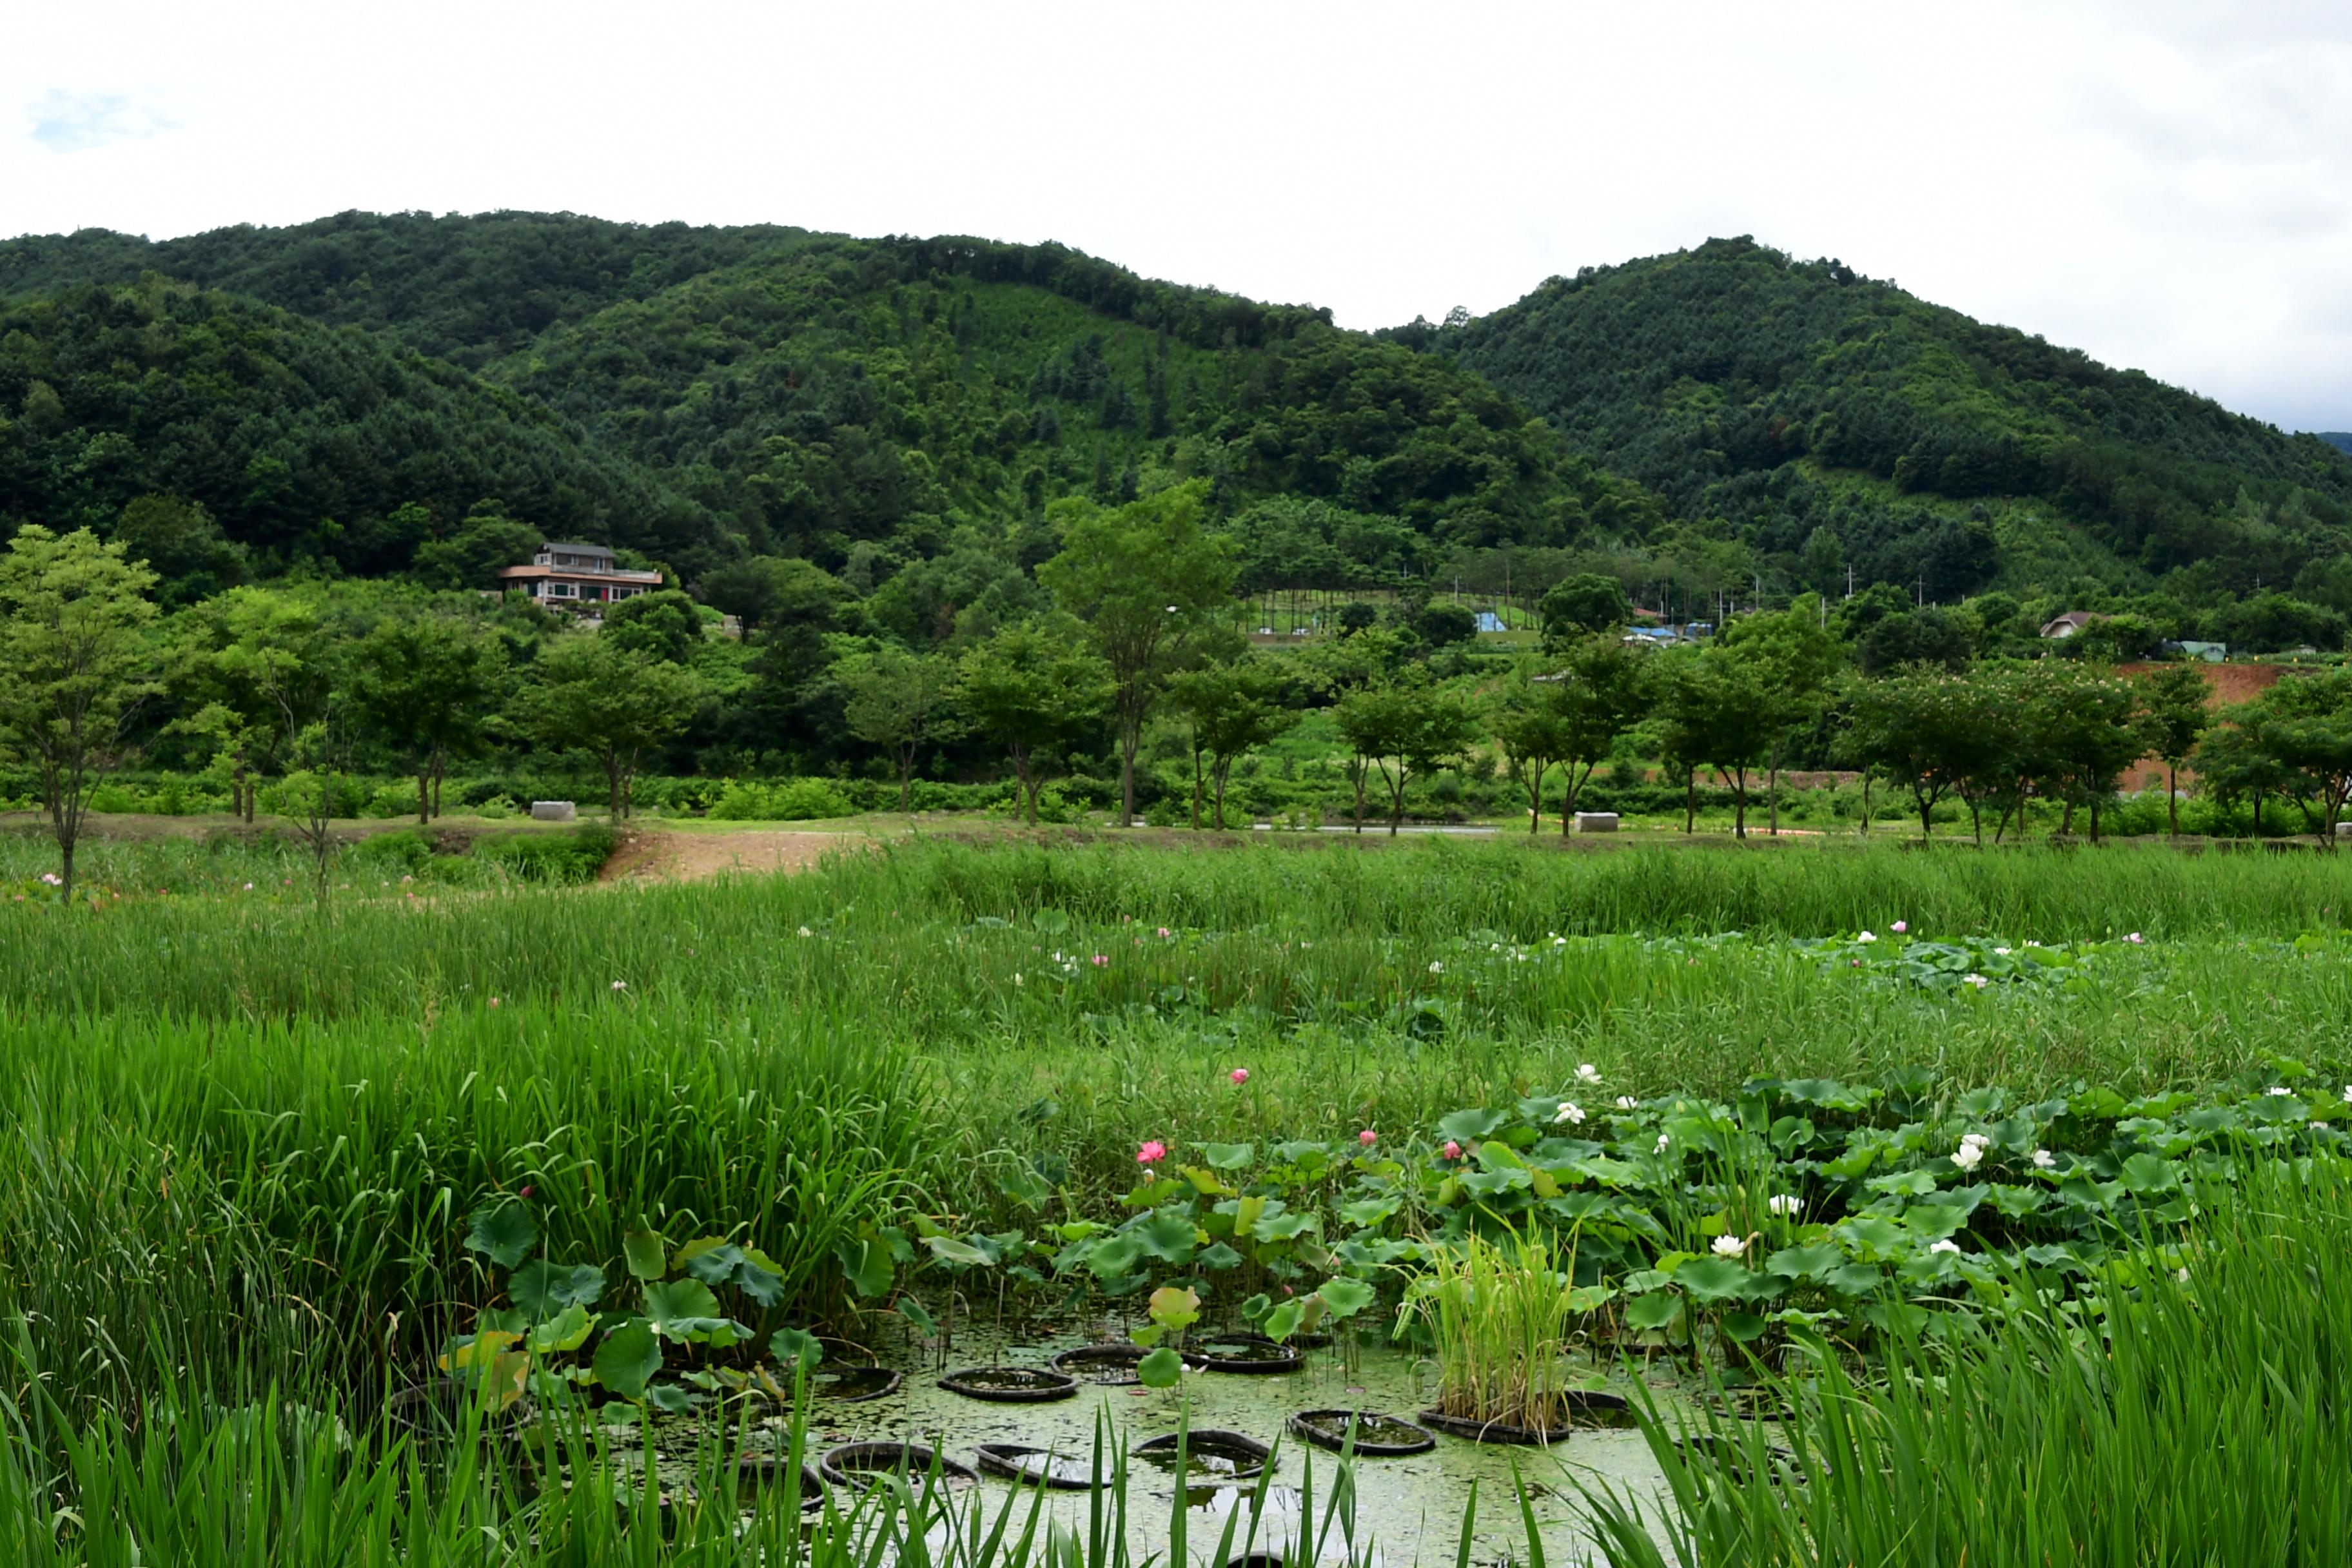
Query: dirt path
[(653, 854)]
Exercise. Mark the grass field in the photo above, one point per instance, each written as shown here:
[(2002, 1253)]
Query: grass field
[(248, 1129)]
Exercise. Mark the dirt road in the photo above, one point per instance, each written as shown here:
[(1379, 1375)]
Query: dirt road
[(655, 854)]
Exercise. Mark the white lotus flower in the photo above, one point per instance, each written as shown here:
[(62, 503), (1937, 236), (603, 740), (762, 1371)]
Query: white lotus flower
[(1979, 981), (1866, 937), (2278, 1088), (1587, 1073), (1947, 1245), (1627, 1102), (1569, 1112), (2181, 1274), (805, 931), (1783, 1204), (1435, 967), (1729, 1247), (2043, 1159), (1662, 1142), (2001, 952), (1969, 1156)]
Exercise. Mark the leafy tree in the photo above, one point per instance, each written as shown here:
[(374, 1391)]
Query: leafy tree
[(287, 661), (1571, 713), (2302, 728), (2089, 721), (769, 590), (425, 684), (665, 625), (615, 704), (1724, 712), (1444, 625), (898, 700), (1789, 658), (1902, 726), (1036, 689), (1229, 711), (1934, 636), (485, 543), (1402, 728), (1582, 605), (1355, 615), (1148, 582), (2175, 698), (75, 666), (181, 545)]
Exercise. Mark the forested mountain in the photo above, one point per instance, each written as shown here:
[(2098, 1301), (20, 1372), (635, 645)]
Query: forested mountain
[(1823, 420), (296, 443), (875, 404), (1713, 423)]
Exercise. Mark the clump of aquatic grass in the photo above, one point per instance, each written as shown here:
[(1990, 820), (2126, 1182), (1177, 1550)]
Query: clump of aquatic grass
[(1498, 1314), (2197, 1414)]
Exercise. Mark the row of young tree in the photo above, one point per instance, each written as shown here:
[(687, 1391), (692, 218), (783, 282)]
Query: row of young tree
[(1137, 637)]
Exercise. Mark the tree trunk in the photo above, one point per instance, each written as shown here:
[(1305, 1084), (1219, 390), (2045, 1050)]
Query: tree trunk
[(2172, 796), (1690, 802), (64, 870), (2094, 820), (440, 772), (1865, 802), (1362, 767), (1927, 818), (1772, 790), (612, 786), (1739, 801), (424, 794), (1196, 791), (1976, 820), (1130, 735), (1535, 798)]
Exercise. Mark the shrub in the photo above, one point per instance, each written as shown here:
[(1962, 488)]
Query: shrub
[(792, 800), (573, 857)]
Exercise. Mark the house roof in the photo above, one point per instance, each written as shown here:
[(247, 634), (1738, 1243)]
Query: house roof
[(614, 575), (582, 548), (2070, 623)]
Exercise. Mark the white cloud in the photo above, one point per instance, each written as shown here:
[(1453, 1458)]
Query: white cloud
[(2163, 187), (74, 122)]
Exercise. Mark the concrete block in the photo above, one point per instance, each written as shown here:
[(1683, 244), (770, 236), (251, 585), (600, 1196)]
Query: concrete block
[(1596, 822), (552, 811)]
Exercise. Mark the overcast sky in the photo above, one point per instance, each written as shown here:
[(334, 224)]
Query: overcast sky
[(2167, 185)]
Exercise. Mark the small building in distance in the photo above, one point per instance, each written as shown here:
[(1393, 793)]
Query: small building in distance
[(574, 577), (2067, 625)]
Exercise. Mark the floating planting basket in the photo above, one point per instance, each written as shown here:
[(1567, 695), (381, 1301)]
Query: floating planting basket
[(1106, 1365), (1245, 1353), (770, 1470), (855, 1384), (1211, 1455), (855, 1465), (1378, 1435), (1574, 1409), (1040, 1467), (1011, 1385)]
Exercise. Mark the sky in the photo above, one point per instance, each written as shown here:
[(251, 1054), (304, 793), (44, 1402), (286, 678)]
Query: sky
[(2165, 184)]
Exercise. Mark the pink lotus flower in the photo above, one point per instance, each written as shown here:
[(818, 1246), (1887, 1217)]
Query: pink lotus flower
[(1899, 927), (2135, 938), (1368, 1137), (1239, 1075), (1163, 930), (493, 1000), (1152, 1153), (1101, 960), (1451, 1151)]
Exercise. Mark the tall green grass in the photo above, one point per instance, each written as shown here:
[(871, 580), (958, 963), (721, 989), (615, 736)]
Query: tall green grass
[(2204, 1416), (180, 1202)]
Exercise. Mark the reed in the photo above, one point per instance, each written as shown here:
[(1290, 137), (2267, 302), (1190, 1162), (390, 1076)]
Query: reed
[(2194, 1420), (1498, 1314)]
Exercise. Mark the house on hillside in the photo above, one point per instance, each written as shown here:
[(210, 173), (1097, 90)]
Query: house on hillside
[(564, 576), (2067, 625)]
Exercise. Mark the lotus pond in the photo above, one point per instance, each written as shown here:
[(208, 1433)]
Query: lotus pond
[(1800, 1153)]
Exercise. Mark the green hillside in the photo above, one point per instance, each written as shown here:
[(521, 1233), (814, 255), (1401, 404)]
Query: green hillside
[(1703, 424), (307, 445), (1823, 420)]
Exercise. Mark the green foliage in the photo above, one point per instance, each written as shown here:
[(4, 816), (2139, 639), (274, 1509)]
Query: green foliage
[(1739, 382), (303, 443), (1580, 605)]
